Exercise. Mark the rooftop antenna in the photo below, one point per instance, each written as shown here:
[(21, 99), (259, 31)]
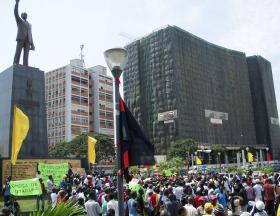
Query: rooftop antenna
[(82, 54)]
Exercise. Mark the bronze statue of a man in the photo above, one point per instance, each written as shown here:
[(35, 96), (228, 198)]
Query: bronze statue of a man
[(24, 37)]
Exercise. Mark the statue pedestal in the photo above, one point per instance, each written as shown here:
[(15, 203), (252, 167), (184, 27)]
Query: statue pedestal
[(24, 87)]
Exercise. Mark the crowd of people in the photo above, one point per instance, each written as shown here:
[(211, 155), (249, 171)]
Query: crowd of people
[(213, 194)]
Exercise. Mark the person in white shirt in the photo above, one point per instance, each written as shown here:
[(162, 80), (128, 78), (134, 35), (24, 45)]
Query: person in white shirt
[(113, 204), (191, 210), (258, 189), (53, 198), (80, 194), (178, 192), (92, 207), (50, 186)]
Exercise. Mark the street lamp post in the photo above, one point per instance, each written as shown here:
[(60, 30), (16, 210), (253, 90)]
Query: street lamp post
[(220, 163), (247, 151), (116, 59)]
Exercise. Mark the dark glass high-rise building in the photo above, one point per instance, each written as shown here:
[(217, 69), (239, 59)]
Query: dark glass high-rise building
[(264, 103), (180, 86)]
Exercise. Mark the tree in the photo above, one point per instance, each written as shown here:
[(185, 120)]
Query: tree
[(218, 148), (62, 209), (182, 149), (77, 147)]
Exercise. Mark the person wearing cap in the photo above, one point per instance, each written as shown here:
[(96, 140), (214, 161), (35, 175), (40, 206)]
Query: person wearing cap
[(258, 189), (259, 209), (208, 208), (200, 209), (213, 200)]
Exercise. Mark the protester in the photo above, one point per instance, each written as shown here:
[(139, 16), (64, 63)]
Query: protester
[(104, 205), (182, 211), (259, 209), (171, 205), (200, 209), (132, 205), (208, 209), (258, 190), (191, 210), (113, 203), (92, 207), (193, 194), (269, 197), (54, 197), (7, 212), (50, 186), (41, 197), (6, 190)]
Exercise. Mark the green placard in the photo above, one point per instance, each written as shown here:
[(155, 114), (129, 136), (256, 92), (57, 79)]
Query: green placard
[(56, 170), (26, 187)]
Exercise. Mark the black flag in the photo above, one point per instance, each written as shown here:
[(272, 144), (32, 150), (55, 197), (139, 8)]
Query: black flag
[(135, 147)]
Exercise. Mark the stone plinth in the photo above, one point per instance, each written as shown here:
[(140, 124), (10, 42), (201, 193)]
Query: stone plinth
[(24, 87)]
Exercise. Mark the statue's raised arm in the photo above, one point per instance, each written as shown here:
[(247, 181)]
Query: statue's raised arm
[(16, 12)]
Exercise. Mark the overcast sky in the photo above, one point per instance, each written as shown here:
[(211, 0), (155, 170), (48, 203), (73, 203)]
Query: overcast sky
[(60, 26)]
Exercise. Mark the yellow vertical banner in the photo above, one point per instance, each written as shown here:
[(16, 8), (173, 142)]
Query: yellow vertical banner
[(20, 131), (250, 157), (91, 150), (198, 160)]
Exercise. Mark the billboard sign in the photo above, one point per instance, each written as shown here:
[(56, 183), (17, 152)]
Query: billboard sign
[(167, 116)]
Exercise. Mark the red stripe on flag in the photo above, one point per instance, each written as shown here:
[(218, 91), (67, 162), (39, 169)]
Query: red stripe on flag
[(125, 160), (269, 158), (122, 108)]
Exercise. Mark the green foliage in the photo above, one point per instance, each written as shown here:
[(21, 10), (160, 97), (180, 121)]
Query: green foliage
[(163, 165), (78, 147), (232, 169), (267, 169), (182, 149), (175, 164), (264, 169), (67, 209), (217, 148)]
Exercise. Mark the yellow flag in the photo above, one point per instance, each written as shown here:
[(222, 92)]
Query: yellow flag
[(20, 130), (91, 150), (197, 160), (250, 157)]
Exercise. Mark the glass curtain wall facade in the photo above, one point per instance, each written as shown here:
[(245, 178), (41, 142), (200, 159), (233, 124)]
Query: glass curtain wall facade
[(180, 86), (264, 103)]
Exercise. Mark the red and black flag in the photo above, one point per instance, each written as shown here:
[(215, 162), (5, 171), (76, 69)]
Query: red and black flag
[(135, 147)]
